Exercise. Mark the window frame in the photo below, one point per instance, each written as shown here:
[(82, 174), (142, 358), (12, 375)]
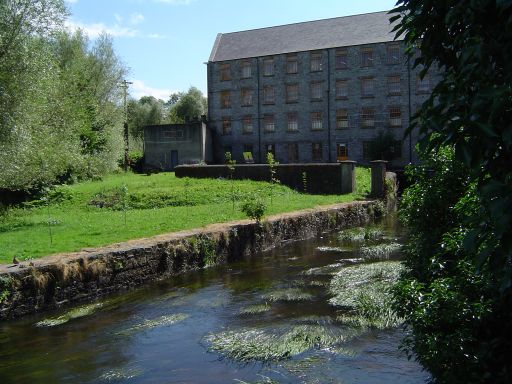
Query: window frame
[(316, 61), (317, 120), (227, 126), (367, 59), (269, 67), (269, 121), (246, 123), (340, 64), (342, 117)]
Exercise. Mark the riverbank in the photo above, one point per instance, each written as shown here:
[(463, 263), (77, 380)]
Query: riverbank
[(65, 279), (128, 206)]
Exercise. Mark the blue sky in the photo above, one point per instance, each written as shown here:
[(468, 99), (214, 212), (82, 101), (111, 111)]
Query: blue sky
[(165, 43)]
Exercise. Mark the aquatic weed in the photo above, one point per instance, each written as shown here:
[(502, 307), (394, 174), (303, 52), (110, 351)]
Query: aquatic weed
[(287, 294), (255, 309), (257, 344), (75, 313)]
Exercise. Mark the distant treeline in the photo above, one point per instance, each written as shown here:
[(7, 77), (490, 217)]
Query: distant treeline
[(61, 106)]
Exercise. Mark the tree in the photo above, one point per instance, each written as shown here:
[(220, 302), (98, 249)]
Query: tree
[(189, 105), (147, 111), (458, 293)]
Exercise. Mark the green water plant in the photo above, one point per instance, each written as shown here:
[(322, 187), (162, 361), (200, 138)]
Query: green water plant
[(277, 344), (255, 309), (287, 294), (383, 251), (75, 313)]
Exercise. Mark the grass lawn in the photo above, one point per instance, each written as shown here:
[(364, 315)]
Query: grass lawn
[(128, 206)]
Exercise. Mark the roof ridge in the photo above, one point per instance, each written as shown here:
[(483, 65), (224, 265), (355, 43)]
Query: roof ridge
[(303, 22)]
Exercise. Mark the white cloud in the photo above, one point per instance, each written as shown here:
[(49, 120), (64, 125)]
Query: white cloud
[(95, 29), (118, 18), (136, 18), (139, 89)]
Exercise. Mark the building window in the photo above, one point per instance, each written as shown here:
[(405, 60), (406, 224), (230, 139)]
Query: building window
[(341, 59), (316, 61), (316, 121), (423, 85), (226, 125), (341, 119), (174, 134), (292, 93), (270, 148), (367, 117), (269, 124), (268, 94), (246, 94), (341, 152), (225, 72), (268, 66), (316, 89), (292, 122), (394, 85), (225, 99), (395, 116), (248, 153), (293, 153), (291, 64), (246, 69), (316, 152), (393, 53), (367, 57), (247, 125), (367, 150), (367, 87), (341, 89)]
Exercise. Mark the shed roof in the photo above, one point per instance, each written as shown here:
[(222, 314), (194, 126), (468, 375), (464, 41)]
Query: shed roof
[(344, 31)]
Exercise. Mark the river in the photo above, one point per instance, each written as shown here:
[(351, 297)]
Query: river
[(166, 331)]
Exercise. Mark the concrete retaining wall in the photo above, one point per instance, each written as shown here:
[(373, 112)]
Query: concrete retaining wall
[(325, 178), (58, 280)]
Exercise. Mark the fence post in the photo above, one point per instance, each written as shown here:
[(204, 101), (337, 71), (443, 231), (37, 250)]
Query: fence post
[(378, 177), (348, 176)]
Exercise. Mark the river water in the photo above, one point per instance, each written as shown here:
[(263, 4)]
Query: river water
[(160, 333)]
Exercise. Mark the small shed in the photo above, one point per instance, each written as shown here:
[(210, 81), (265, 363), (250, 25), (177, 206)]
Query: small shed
[(169, 145)]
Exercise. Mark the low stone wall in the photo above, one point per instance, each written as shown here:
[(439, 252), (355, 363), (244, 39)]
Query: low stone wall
[(54, 281), (324, 178)]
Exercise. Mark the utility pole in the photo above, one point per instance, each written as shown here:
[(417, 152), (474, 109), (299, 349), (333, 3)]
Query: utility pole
[(124, 85)]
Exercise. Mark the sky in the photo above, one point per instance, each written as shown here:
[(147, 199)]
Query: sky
[(166, 43)]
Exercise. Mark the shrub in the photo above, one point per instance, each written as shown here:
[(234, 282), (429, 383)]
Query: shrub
[(254, 209)]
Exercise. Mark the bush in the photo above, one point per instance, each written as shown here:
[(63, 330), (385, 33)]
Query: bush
[(254, 209)]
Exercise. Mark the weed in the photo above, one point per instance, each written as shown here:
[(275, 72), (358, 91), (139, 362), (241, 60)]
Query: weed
[(364, 289), (381, 251), (255, 309), (257, 344), (161, 321), (75, 313), (287, 294), (5, 288), (359, 235)]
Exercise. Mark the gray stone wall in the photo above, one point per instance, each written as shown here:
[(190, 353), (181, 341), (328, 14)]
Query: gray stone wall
[(190, 142), (329, 136)]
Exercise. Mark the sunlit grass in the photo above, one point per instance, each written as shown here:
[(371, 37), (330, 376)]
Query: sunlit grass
[(149, 205)]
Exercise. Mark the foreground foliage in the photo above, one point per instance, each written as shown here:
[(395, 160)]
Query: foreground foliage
[(457, 294)]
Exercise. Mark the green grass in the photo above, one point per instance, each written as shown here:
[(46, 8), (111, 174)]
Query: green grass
[(137, 206)]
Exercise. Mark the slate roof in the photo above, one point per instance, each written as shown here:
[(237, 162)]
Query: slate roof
[(329, 33)]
